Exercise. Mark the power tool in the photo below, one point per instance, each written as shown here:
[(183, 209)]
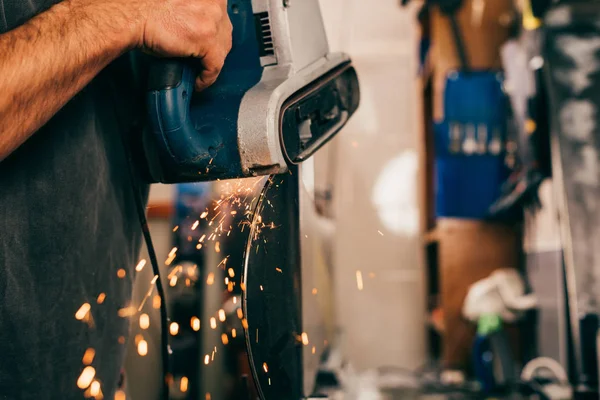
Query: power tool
[(280, 96)]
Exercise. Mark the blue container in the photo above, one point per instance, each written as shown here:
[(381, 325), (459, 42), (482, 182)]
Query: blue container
[(470, 145)]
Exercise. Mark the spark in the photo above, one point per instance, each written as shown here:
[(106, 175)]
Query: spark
[(206, 359), (175, 229), (127, 312), (231, 272), (261, 288), (278, 270), (174, 328), (120, 395), (245, 323), (202, 238), (199, 246), (171, 257), (86, 377), (266, 367), (207, 397), (269, 381), (212, 356), (213, 323), (359, 280), (183, 384), (95, 388), (101, 298), (222, 315), (88, 356), (230, 287), (233, 333), (226, 281), (225, 339), (256, 335), (156, 301), (234, 299), (204, 215), (243, 286), (210, 279), (240, 313), (314, 350), (371, 275), (305, 338), (381, 233), (140, 266), (315, 291), (121, 340), (121, 273), (138, 338), (142, 348), (83, 311), (195, 225), (195, 323), (173, 281)]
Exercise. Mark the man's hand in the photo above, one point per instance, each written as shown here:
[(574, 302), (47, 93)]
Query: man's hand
[(47, 60), (189, 28)]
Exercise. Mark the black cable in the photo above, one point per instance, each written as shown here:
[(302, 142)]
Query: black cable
[(141, 212), (124, 79)]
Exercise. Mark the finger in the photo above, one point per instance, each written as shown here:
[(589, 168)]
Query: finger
[(211, 66)]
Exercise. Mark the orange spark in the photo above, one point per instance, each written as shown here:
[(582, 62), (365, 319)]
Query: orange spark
[(305, 338), (142, 348), (174, 328), (127, 312), (213, 323), (245, 323), (83, 311), (86, 377), (225, 339), (95, 388), (195, 323), (156, 302), (140, 266), (210, 279), (121, 273), (266, 367), (183, 384), (101, 298), (222, 315), (359, 280), (88, 356)]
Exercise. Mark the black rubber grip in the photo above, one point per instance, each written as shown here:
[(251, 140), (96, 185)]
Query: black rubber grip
[(166, 74)]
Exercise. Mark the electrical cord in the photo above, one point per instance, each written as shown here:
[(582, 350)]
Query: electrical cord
[(141, 213)]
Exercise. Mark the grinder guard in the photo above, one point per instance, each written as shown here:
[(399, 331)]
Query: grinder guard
[(276, 102)]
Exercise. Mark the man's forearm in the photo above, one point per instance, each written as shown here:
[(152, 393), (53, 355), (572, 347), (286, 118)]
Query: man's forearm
[(46, 61)]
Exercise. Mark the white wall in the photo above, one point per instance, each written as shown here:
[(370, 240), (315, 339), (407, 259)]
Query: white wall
[(376, 198)]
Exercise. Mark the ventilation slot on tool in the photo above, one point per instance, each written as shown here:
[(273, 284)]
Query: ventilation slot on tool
[(264, 34)]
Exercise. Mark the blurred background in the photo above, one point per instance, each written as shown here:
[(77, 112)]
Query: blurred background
[(432, 257)]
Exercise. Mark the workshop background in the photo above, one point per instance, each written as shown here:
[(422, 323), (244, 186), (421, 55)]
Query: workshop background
[(404, 252)]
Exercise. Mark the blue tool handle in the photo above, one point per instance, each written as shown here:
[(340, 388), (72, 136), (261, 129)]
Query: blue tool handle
[(170, 88)]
